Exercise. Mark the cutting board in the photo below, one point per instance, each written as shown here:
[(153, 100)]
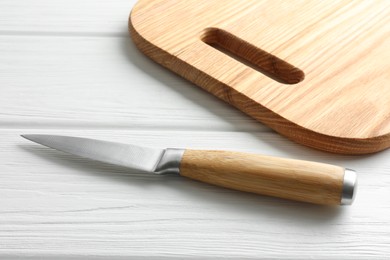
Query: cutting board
[(317, 72)]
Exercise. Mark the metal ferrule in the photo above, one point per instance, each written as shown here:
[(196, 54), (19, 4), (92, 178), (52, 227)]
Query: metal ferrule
[(170, 161), (349, 187)]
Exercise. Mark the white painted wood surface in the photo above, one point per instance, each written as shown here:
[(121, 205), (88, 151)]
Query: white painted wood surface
[(68, 67)]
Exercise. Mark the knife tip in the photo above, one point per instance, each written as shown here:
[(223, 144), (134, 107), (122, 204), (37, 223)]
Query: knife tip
[(28, 137)]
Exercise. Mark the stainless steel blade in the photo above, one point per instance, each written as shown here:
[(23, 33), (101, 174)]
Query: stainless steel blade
[(127, 155)]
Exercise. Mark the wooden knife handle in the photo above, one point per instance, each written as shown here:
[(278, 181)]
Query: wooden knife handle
[(285, 178)]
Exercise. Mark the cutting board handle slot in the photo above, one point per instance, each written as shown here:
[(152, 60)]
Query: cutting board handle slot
[(252, 56)]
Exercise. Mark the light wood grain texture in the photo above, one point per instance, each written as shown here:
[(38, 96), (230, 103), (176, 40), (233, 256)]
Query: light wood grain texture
[(284, 178), (68, 67), (325, 65)]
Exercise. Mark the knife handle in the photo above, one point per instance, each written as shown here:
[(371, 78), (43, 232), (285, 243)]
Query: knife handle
[(284, 178)]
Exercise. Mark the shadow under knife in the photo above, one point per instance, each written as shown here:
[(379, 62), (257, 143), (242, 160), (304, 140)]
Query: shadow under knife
[(224, 200)]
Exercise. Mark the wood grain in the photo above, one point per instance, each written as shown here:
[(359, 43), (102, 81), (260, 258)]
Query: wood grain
[(339, 48), (68, 67), (284, 178)]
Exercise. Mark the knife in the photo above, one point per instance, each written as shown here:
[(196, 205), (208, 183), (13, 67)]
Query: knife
[(284, 178)]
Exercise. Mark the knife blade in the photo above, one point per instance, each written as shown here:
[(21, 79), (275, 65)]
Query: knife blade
[(298, 180)]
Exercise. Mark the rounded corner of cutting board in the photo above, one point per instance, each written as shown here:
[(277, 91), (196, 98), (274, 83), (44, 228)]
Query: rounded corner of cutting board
[(338, 144), (131, 23), (137, 33)]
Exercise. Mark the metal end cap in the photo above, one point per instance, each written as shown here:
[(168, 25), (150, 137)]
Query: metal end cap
[(349, 187)]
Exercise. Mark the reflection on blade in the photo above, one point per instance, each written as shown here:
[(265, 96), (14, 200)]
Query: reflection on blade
[(131, 156)]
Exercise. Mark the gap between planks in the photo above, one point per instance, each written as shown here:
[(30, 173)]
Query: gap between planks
[(65, 33), (6, 126)]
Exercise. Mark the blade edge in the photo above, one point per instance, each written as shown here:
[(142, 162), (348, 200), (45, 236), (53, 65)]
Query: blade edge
[(131, 156)]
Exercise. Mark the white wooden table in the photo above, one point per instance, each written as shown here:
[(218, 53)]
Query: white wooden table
[(69, 67)]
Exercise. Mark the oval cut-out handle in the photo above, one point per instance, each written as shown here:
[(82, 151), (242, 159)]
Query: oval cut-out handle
[(252, 56)]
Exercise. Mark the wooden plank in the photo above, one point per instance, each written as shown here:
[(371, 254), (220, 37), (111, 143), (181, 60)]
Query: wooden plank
[(57, 205), (72, 17), (100, 82)]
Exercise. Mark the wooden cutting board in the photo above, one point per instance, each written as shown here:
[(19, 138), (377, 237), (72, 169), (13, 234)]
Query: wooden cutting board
[(317, 72)]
